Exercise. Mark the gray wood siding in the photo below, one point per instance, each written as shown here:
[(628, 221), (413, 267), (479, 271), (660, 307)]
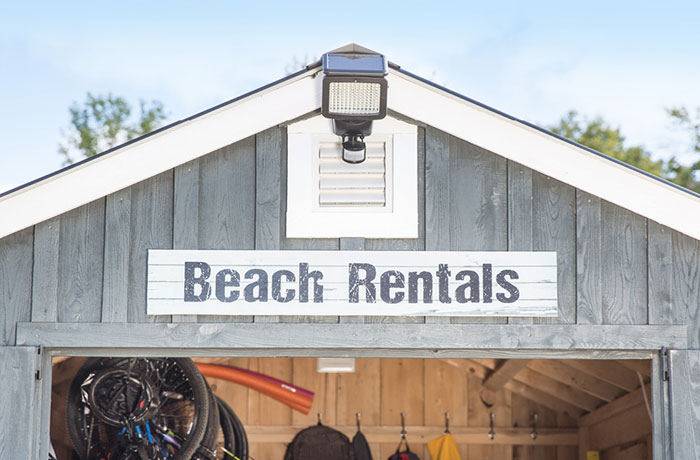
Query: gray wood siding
[(89, 265), (685, 403), (18, 403)]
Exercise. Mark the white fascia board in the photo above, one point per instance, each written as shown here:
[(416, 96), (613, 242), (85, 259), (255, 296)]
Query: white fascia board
[(159, 152), (546, 154)]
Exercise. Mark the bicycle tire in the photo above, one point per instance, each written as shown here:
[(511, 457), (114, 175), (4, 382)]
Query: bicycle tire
[(194, 394), (240, 447)]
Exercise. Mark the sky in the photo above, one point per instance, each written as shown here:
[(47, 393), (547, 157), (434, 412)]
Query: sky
[(626, 61)]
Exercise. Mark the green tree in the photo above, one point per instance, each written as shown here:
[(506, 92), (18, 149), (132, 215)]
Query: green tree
[(105, 121), (686, 175), (599, 135)]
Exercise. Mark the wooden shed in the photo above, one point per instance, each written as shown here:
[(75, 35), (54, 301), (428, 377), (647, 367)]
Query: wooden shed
[(590, 344)]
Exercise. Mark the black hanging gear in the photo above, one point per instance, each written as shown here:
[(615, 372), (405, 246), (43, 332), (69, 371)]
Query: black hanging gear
[(319, 442)]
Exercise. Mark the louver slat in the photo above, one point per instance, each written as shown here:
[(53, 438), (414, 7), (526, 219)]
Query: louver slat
[(342, 184)]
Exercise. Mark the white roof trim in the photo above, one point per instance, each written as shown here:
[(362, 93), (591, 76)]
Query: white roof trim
[(159, 152), (545, 153), (301, 94)]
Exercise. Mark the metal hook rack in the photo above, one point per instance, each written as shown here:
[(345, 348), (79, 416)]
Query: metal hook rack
[(357, 418), (447, 423), (319, 418), (533, 434), (403, 425), (492, 433)]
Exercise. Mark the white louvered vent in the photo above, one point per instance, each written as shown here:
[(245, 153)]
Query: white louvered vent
[(342, 184)]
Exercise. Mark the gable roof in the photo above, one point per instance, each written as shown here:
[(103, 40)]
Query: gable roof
[(299, 94)]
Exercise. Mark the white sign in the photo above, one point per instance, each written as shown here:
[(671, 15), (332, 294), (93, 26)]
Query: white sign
[(346, 283)]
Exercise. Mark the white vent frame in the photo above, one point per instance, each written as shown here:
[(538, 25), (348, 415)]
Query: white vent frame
[(305, 219)]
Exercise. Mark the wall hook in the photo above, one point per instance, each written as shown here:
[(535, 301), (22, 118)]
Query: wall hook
[(533, 435), (403, 425), (492, 434), (357, 417), (447, 423), (320, 418)]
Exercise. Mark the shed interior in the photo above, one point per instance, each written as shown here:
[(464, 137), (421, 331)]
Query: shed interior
[(580, 405)]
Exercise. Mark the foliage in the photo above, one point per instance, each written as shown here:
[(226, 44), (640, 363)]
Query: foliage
[(687, 176), (105, 121), (599, 135)]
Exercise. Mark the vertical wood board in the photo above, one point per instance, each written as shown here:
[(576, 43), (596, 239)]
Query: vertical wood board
[(19, 406), (45, 279), (15, 282), (80, 263), (685, 403), (115, 291)]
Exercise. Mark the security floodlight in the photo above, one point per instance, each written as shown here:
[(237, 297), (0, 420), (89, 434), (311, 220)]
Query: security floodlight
[(354, 94)]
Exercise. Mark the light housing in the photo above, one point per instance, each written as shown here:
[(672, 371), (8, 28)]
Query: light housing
[(354, 94)]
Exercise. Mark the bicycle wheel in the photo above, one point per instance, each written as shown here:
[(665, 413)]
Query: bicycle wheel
[(235, 439), (135, 409)]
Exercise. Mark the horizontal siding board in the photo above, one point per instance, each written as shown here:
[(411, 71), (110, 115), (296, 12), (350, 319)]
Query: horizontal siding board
[(383, 338), (151, 227), (81, 252), (227, 204), (45, 278), (624, 281), (555, 221), (15, 282)]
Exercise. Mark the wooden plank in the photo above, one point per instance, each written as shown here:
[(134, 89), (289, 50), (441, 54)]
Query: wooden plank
[(555, 221), (422, 434), (269, 149), (608, 371), (115, 290), (660, 276), (186, 215), (584, 441), (505, 371), (360, 392), (437, 190), (15, 282), (615, 407), (81, 263), (520, 215), (151, 228), (685, 403), (19, 406), (263, 410), (478, 206), (45, 280), (566, 452), (227, 204), (625, 268), (686, 285), (559, 390), (564, 373), (401, 391), (636, 451), (519, 339), (479, 370), (523, 414), (643, 366), (622, 428), (446, 390), (589, 259), (480, 416)]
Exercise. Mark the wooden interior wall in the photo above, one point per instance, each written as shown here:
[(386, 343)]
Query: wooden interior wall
[(380, 389)]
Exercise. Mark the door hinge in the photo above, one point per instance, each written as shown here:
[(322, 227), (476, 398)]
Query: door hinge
[(37, 375), (665, 373)]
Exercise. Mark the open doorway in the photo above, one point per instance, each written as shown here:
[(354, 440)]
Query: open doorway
[(510, 409)]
